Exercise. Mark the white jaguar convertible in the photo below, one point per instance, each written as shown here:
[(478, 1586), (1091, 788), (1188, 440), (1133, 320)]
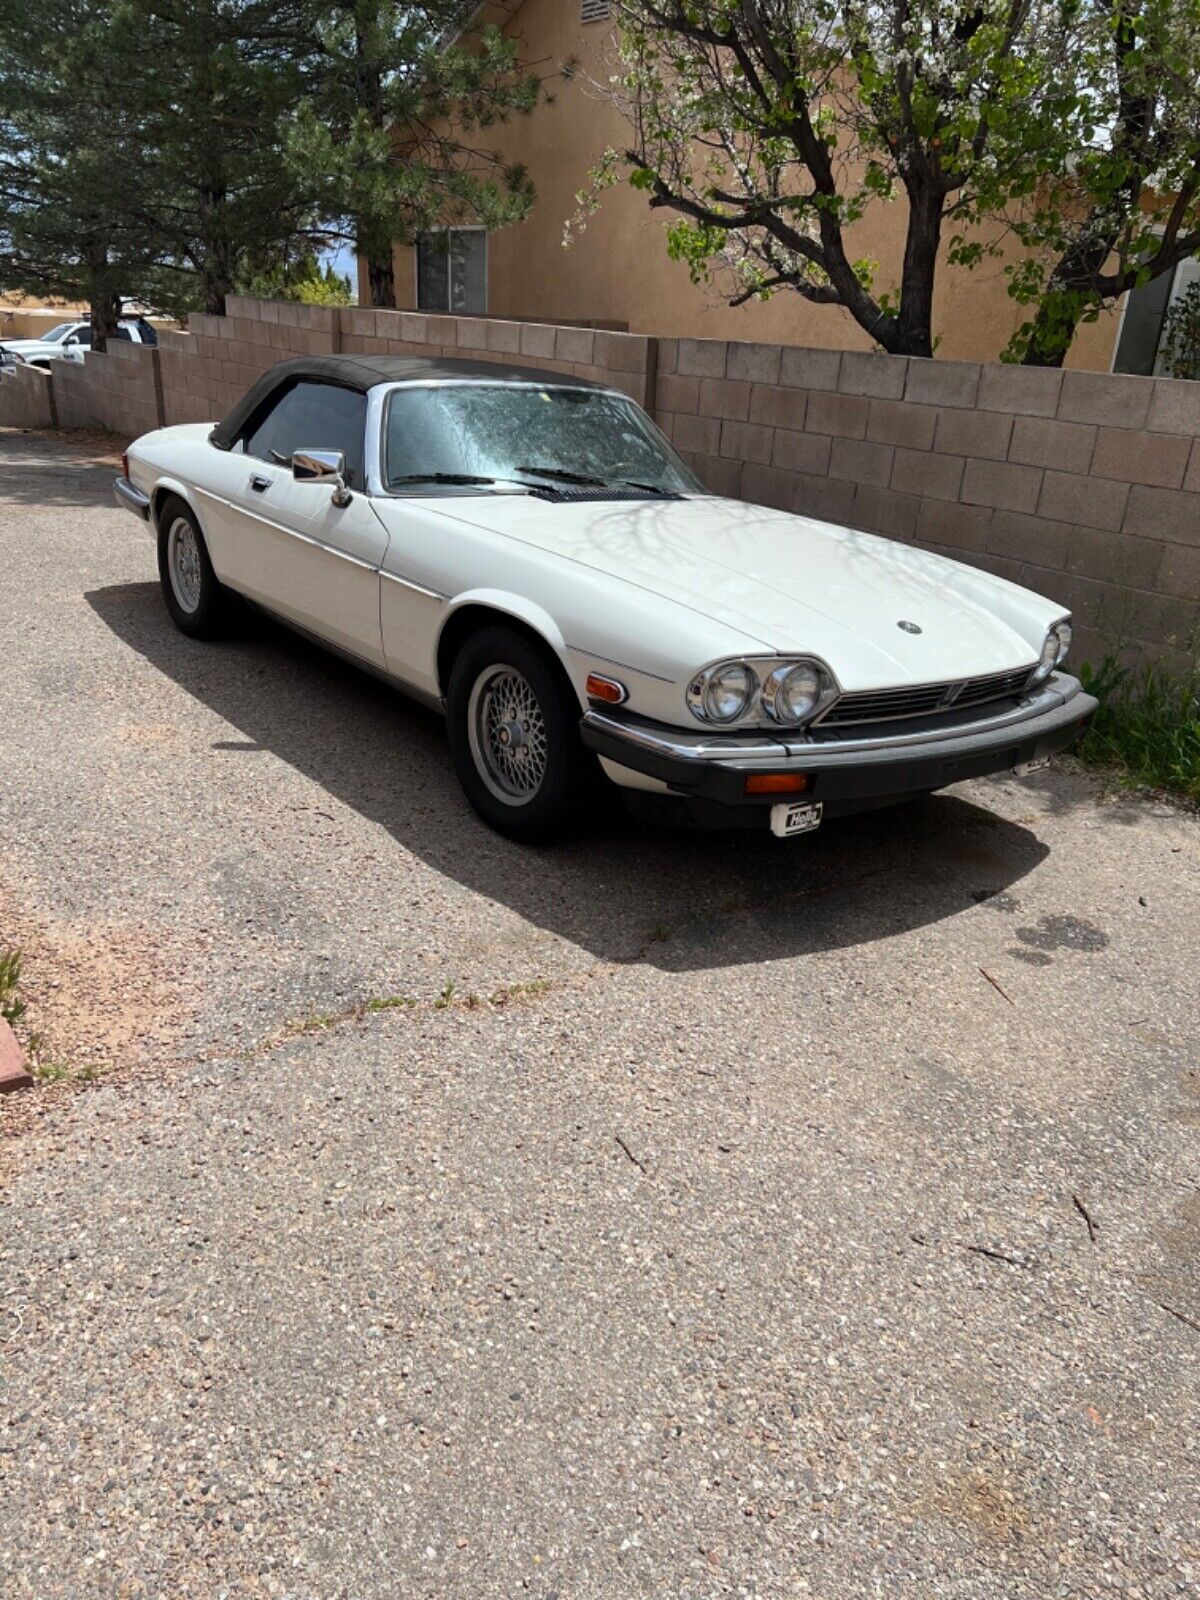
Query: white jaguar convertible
[(526, 553)]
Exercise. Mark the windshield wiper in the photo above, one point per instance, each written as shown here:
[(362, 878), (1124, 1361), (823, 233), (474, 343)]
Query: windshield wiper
[(564, 476), (439, 477), (583, 479), (651, 488)]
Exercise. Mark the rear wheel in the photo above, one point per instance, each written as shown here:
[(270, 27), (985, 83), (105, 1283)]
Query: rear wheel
[(513, 727), (195, 597)]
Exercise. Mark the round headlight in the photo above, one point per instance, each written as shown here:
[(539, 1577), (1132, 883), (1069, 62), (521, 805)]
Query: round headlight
[(791, 693), (727, 692), (1054, 649)]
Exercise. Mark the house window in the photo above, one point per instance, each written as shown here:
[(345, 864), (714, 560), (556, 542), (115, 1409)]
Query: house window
[(594, 10), (452, 270), (1139, 345)]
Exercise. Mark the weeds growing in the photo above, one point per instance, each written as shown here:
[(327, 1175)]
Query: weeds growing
[(11, 1004), (1148, 724)]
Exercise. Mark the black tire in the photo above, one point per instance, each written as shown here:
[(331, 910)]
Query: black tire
[(206, 617), (502, 676)]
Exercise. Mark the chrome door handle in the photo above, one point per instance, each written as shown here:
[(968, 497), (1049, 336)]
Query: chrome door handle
[(258, 483)]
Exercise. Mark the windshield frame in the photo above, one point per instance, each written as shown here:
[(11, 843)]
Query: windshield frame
[(377, 467)]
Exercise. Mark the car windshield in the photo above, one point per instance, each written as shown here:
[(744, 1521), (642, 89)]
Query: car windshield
[(469, 436), (56, 334)]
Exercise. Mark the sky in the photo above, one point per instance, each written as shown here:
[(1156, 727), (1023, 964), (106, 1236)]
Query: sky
[(343, 261)]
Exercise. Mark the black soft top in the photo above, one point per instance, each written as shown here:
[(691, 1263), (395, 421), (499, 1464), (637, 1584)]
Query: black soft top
[(365, 372)]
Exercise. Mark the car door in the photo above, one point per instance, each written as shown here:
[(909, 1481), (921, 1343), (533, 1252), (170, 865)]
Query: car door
[(76, 345), (285, 544)]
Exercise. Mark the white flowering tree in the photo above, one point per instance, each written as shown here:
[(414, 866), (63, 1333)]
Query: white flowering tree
[(772, 127)]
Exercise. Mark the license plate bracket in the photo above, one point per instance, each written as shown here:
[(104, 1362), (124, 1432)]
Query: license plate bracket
[(795, 816)]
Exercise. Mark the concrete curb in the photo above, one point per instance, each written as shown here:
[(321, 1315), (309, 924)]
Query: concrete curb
[(14, 1074)]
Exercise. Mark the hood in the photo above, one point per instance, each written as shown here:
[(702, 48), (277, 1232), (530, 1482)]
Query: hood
[(795, 583), (26, 347)]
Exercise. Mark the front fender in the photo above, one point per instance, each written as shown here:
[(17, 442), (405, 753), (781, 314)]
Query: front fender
[(520, 609)]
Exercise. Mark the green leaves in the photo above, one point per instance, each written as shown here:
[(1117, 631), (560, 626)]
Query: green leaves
[(1069, 125), (392, 136), (173, 148)]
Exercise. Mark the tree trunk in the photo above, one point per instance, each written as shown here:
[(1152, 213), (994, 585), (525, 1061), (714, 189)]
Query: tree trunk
[(1065, 299), (1036, 356), (913, 335), (105, 317), (381, 280), (216, 269), (375, 250), (104, 305)]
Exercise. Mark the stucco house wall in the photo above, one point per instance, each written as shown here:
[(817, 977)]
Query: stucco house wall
[(617, 269)]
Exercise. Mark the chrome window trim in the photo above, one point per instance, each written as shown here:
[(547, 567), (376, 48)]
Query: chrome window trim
[(373, 443)]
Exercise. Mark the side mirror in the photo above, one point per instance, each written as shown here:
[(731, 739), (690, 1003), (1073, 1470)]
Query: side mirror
[(323, 466)]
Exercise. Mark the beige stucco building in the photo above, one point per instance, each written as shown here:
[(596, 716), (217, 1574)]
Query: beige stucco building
[(617, 270)]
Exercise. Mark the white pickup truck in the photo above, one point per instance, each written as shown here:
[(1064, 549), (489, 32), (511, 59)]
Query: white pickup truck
[(70, 341)]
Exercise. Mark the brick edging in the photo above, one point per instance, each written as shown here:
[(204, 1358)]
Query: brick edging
[(14, 1072)]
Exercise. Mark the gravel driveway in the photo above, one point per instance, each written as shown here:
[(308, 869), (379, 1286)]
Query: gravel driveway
[(667, 1216)]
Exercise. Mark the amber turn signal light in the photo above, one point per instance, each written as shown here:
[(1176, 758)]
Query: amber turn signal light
[(776, 783), (606, 689)]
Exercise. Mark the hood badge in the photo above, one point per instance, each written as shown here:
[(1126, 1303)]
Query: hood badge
[(909, 627)]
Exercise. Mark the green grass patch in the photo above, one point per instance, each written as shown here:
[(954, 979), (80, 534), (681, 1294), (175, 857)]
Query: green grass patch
[(11, 1004), (1148, 724)]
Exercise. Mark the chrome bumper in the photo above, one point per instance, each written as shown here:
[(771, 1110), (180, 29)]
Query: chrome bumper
[(847, 770), (131, 498)]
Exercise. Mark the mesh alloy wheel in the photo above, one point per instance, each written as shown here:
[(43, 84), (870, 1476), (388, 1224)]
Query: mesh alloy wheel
[(507, 731), (183, 564), (512, 719)]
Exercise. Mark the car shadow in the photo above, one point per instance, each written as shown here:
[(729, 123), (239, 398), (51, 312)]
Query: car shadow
[(678, 899)]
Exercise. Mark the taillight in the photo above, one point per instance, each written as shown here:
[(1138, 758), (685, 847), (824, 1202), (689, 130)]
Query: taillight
[(125, 463)]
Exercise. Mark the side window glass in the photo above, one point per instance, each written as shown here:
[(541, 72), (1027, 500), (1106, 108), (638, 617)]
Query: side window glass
[(314, 416), (124, 333), (257, 435)]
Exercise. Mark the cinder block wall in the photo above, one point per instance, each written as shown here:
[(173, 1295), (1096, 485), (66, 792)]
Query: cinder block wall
[(1084, 486), (623, 360), (206, 369), (1081, 485), (25, 398), (117, 390)]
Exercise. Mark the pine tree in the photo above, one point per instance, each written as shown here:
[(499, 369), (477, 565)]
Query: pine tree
[(391, 138), (226, 73), (71, 157)]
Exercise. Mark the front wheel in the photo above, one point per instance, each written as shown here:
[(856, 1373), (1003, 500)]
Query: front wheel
[(513, 727), (194, 595)]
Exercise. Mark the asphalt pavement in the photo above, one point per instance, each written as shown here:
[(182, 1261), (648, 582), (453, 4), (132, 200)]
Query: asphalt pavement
[(664, 1215)]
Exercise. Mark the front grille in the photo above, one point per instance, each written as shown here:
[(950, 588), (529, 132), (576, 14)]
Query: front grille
[(976, 691), (886, 705)]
